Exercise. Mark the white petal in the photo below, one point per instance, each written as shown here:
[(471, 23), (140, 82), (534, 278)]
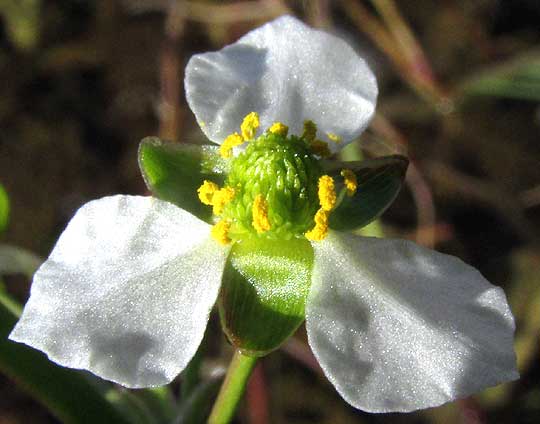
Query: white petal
[(126, 292), (286, 72), (397, 327)]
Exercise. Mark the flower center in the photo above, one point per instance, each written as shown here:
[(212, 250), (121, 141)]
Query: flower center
[(275, 188), (275, 185)]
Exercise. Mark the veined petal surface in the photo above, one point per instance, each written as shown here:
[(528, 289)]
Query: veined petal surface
[(126, 291), (286, 72), (397, 327)]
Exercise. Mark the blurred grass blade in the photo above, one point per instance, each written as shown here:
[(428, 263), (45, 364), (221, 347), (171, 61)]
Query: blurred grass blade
[(15, 260), (519, 78), (159, 401), (8, 303), (148, 406), (191, 376), (131, 406), (67, 393), (174, 172), (379, 181), (4, 209), (22, 22), (196, 408), (523, 293)]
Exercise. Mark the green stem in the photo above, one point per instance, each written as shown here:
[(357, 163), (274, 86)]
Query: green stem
[(232, 389)]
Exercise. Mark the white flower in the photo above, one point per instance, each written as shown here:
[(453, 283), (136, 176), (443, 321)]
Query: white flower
[(127, 291)]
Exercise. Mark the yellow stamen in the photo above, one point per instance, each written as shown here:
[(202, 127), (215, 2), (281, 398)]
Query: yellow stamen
[(351, 183), (320, 231), (211, 194), (220, 232), (334, 137), (320, 148), (249, 126), (260, 214), (327, 193), (233, 140), (221, 198), (206, 192), (279, 128), (310, 131)]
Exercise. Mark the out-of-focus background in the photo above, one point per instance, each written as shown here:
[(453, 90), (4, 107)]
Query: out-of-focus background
[(84, 81)]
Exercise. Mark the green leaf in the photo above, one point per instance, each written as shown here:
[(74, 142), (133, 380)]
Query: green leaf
[(67, 393), (15, 260), (196, 407), (4, 209), (174, 172), (379, 181), (132, 406), (518, 78), (263, 293), (147, 406), (160, 401), (191, 376)]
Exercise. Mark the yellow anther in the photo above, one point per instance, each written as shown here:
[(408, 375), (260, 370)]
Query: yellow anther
[(211, 194), (279, 128), (351, 183), (220, 232), (221, 198), (320, 231), (260, 214), (320, 148), (233, 140), (202, 124), (249, 126), (327, 193), (334, 137), (206, 192), (310, 131)]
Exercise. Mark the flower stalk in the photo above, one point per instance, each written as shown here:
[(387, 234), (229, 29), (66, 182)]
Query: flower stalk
[(233, 388)]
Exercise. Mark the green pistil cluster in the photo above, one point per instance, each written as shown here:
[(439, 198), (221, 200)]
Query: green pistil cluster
[(284, 172)]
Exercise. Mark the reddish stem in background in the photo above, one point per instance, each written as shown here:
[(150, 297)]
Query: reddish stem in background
[(241, 11), (423, 199), (301, 352), (171, 71), (169, 110), (396, 40), (318, 14), (471, 413), (257, 397)]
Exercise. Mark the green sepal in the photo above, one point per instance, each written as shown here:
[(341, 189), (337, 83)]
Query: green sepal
[(379, 181), (173, 172), (263, 293)]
